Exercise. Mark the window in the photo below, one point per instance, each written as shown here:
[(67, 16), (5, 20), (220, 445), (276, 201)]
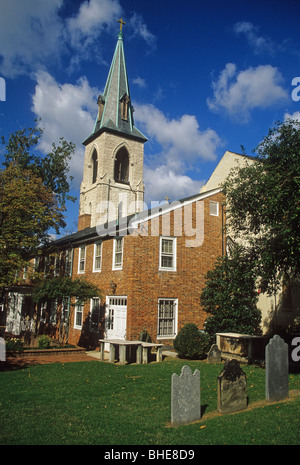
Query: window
[(122, 166), (213, 208), (65, 310), (78, 315), (124, 107), (118, 254), (167, 318), (81, 260), (94, 166), (110, 319), (167, 259), (53, 312), (56, 265), (68, 262), (95, 315), (97, 256), (43, 312)]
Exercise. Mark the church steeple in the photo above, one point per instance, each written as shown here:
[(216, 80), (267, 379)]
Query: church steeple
[(115, 111), (112, 183)]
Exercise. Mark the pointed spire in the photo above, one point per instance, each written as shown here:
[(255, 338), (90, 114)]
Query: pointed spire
[(115, 111)]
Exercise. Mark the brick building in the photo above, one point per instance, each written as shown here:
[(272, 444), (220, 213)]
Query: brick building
[(150, 270), (150, 264)]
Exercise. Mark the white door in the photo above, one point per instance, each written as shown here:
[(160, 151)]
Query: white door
[(116, 317)]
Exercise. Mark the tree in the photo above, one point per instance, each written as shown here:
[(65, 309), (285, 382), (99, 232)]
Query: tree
[(33, 194), (56, 288), (230, 297), (263, 206)]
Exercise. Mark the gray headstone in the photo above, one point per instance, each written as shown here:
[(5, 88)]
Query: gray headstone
[(232, 388), (2, 350), (185, 397), (277, 369), (214, 354)]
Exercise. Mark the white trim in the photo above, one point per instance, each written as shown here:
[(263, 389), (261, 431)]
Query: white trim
[(97, 270), (172, 206), (117, 267), (211, 204), (78, 304), (175, 300), (174, 253), (79, 259), (90, 319)]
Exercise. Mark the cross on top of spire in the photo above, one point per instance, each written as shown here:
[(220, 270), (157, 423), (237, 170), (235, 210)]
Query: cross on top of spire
[(121, 23)]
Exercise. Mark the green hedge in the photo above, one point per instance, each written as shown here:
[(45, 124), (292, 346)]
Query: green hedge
[(191, 343)]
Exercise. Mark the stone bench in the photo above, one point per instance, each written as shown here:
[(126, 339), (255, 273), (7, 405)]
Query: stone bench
[(142, 350)]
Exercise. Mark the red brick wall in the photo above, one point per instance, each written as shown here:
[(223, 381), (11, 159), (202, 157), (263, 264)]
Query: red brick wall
[(142, 282)]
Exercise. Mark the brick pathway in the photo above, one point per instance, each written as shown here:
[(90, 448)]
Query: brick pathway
[(22, 362)]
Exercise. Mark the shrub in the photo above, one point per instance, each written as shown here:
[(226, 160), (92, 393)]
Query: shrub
[(44, 342), (191, 343), (14, 344)]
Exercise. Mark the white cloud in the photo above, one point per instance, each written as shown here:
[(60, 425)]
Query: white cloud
[(294, 116), (35, 35), (68, 111), (30, 35), (92, 17), (259, 43), (240, 92), (162, 182), (180, 138), (139, 28), (140, 82), (182, 144)]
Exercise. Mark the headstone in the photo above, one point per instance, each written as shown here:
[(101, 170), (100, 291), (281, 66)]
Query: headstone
[(185, 397), (2, 350), (277, 369), (214, 354), (232, 388)]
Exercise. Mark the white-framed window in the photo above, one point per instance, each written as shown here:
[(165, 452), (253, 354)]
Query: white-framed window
[(97, 256), (213, 208), (167, 254), (167, 318), (65, 307), (95, 315), (78, 317), (57, 265), (118, 253), (81, 259), (43, 312), (68, 262), (53, 312)]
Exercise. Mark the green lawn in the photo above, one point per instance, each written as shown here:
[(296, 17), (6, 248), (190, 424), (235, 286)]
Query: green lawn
[(100, 403)]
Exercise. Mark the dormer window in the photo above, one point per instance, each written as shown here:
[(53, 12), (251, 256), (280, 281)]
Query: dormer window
[(94, 166), (125, 101), (122, 166)]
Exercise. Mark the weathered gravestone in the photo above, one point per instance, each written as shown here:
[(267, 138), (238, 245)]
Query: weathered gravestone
[(214, 354), (185, 397), (277, 369), (2, 350), (232, 388)]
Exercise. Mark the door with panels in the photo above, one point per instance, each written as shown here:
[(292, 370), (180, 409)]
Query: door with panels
[(116, 317)]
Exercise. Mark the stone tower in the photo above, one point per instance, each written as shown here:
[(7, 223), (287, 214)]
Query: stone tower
[(112, 184)]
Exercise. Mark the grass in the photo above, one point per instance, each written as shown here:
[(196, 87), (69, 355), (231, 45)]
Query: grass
[(100, 403)]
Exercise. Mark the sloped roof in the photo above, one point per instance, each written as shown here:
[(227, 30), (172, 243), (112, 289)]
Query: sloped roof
[(116, 89), (127, 224)]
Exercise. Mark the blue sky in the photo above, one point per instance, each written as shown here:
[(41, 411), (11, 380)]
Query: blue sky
[(204, 77)]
